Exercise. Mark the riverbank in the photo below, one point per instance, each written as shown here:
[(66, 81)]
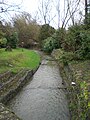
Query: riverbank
[(14, 77), (10, 89), (7, 114), (76, 77)]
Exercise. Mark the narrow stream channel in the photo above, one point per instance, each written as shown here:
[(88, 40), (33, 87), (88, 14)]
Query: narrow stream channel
[(42, 98)]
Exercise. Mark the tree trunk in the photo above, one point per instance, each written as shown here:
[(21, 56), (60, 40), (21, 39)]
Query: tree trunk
[(85, 11)]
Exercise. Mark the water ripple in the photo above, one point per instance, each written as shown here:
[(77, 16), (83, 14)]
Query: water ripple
[(43, 98)]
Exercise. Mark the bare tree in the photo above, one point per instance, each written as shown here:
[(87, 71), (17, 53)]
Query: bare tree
[(45, 11), (72, 9), (7, 7), (66, 11), (87, 11)]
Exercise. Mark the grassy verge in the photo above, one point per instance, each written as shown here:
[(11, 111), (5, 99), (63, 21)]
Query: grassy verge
[(80, 97), (79, 94), (18, 59)]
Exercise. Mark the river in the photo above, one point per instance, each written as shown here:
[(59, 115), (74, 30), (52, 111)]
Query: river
[(42, 98)]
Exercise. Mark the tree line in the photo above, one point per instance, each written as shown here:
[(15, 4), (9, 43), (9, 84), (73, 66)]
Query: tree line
[(24, 29)]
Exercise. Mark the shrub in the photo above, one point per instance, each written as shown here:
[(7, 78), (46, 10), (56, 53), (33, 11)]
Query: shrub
[(49, 44), (73, 39), (84, 51), (12, 41), (66, 57), (61, 36), (78, 41), (45, 32), (3, 42)]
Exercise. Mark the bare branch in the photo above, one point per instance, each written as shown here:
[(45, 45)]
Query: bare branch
[(71, 13), (6, 8), (45, 10)]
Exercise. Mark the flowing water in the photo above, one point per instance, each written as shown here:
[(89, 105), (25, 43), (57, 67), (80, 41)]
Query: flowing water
[(43, 98)]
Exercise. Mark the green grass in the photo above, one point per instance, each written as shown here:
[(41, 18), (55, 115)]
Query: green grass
[(18, 59)]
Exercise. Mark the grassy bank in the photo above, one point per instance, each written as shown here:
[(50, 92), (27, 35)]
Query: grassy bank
[(17, 59), (79, 94)]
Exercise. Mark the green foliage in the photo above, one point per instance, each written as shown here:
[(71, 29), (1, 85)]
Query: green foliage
[(73, 40), (78, 94), (84, 50), (27, 29), (13, 40), (61, 36), (2, 34), (45, 32), (79, 101), (78, 41), (55, 41), (3, 42), (66, 57), (49, 44)]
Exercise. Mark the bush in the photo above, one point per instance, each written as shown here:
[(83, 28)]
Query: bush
[(84, 51), (49, 44), (12, 41), (3, 42), (73, 39), (66, 57), (45, 32), (78, 41)]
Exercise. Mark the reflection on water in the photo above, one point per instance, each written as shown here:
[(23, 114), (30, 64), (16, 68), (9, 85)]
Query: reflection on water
[(41, 99)]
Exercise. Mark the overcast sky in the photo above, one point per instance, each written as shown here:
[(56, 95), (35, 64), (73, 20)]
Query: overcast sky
[(27, 5), (31, 6)]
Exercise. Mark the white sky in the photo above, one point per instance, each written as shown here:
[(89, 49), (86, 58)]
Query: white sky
[(31, 6), (27, 5)]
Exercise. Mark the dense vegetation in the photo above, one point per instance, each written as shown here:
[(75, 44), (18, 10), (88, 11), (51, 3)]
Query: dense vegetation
[(78, 72), (76, 40), (45, 32), (24, 29)]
